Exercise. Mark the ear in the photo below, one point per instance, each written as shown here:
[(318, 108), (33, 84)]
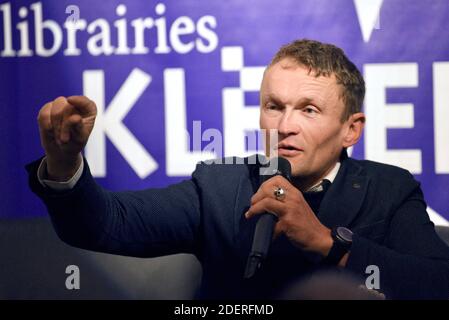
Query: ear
[(354, 128)]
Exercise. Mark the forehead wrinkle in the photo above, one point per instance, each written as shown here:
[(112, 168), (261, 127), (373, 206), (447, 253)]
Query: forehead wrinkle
[(300, 94), (321, 89), (273, 97), (325, 90)]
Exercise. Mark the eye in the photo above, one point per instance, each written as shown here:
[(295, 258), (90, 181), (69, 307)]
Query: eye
[(310, 110), (272, 106)]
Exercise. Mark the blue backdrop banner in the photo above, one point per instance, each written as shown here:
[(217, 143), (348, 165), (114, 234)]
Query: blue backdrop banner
[(176, 82)]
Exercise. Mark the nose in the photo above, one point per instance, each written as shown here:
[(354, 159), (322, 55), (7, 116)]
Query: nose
[(288, 125)]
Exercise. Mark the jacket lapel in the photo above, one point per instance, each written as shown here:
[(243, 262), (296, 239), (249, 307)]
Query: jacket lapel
[(340, 205), (343, 200)]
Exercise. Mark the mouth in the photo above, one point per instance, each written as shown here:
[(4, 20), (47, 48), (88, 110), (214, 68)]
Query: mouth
[(287, 150)]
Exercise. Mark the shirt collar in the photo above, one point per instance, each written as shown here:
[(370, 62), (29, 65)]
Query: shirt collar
[(330, 177)]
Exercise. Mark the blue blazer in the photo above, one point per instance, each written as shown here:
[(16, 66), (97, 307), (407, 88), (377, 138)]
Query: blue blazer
[(382, 204)]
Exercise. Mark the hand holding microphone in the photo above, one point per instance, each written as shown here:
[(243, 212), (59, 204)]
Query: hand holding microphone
[(284, 210), (265, 225)]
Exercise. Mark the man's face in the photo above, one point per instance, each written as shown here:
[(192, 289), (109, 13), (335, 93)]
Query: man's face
[(306, 110)]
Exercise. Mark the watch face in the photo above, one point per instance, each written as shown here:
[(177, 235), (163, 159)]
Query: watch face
[(345, 234)]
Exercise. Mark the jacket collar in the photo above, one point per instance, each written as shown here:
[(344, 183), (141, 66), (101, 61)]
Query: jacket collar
[(345, 196)]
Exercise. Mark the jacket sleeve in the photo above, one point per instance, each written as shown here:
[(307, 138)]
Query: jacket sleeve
[(413, 261), (147, 223)]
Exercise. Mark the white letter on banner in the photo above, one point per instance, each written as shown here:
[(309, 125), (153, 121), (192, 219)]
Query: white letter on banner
[(109, 123), (381, 115), (122, 34), (239, 118), (25, 50), (39, 27), (72, 27), (206, 34), (441, 116), (179, 160), (99, 43), (8, 51), (181, 27)]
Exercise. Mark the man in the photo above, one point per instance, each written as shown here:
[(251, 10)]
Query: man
[(335, 212)]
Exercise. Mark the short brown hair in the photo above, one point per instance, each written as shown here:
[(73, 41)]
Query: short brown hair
[(327, 59)]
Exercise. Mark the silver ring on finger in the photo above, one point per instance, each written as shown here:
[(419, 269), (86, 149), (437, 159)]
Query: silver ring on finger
[(279, 193)]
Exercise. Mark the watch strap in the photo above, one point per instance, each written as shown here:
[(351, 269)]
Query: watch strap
[(339, 248)]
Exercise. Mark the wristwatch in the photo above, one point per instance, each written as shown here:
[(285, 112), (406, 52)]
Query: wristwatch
[(342, 244)]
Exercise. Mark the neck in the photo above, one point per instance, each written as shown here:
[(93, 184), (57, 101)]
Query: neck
[(304, 183)]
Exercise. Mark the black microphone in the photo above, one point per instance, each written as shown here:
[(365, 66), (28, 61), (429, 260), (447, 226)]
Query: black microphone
[(265, 225)]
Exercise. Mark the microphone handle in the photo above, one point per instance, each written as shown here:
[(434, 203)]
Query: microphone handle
[(261, 243), (265, 225)]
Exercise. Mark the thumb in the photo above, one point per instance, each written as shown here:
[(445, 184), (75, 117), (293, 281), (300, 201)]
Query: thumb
[(80, 128)]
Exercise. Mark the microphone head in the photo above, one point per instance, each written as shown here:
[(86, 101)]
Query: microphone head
[(277, 166)]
